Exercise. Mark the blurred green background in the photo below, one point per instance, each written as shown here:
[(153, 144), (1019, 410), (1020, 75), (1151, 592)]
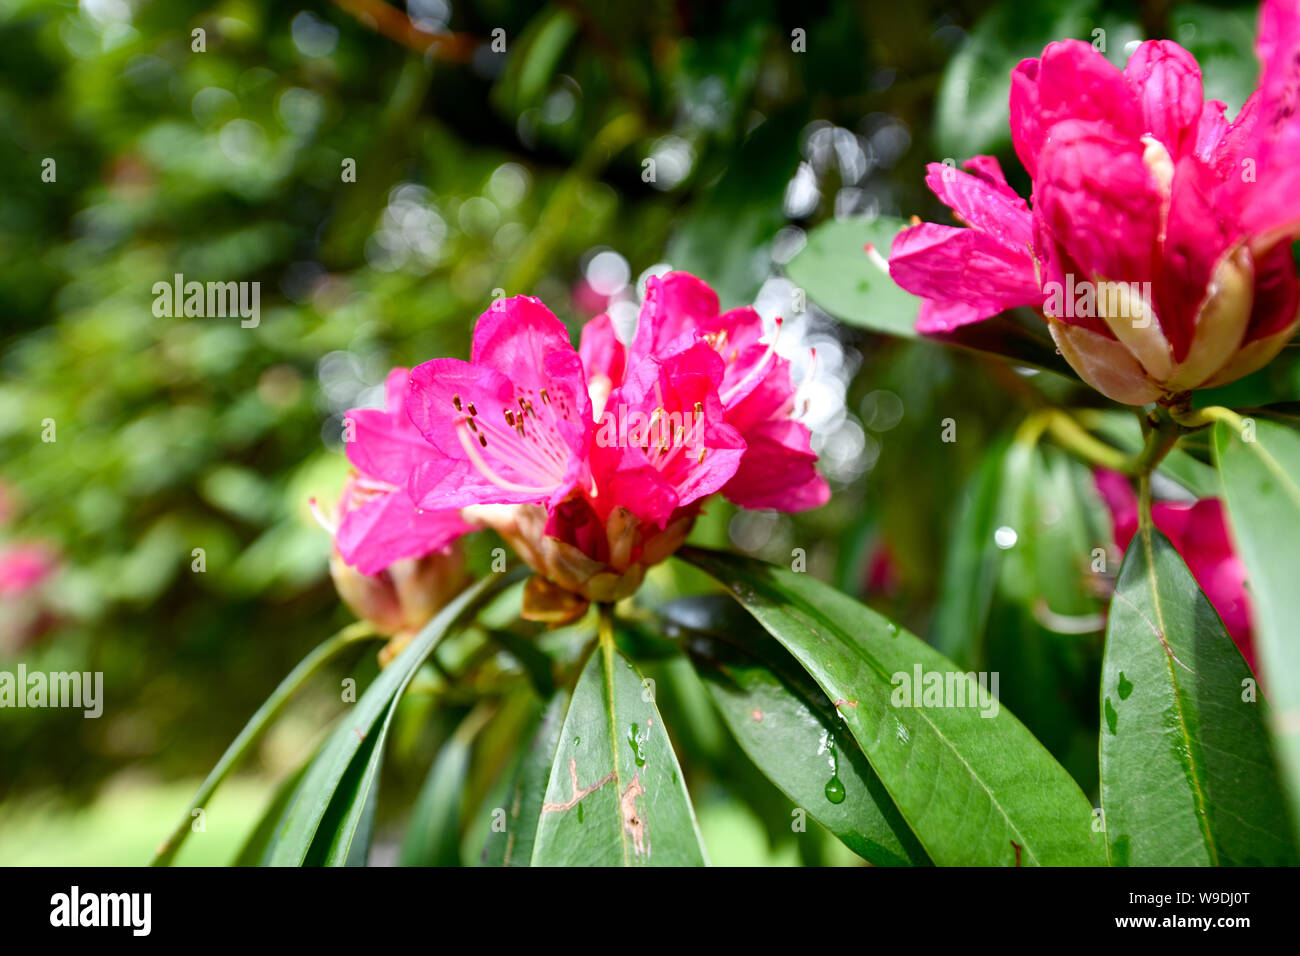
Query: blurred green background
[(606, 140)]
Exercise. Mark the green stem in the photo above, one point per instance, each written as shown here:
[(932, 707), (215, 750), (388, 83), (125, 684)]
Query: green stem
[(1073, 437), (606, 627), (1202, 417), (257, 725)]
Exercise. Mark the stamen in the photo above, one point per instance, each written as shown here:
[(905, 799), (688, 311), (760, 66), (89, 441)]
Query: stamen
[(455, 400), (757, 369), (486, 471), (877, 259), (331, 528)]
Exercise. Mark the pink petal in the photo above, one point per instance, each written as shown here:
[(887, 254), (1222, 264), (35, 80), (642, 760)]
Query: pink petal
[(1026, 120), (778, 470), (949, 265), (389, 528), (1166, 80), (386, 445), (1272, 202), (1099, 200), (601, 351), (676, 303), (1196, 236), (542, 464), (986, 204)]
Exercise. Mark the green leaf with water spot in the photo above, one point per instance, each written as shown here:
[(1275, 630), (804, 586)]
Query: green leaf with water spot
[(615, 796), (790, 730), (975, 790), (1186, 774), (1261, 482)]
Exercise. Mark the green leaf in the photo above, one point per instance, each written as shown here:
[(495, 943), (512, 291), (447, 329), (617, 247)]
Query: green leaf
[(974, 790), (836, 273), (616, 795), (256, 850), (527, 791), (366, 727), (1261, 481), (266, 714), (433, 833), (791, 731), (343, 837), (1186, 775), (970, 573)]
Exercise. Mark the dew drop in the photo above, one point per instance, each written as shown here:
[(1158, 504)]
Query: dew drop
[(835, 790), (1005, 537)]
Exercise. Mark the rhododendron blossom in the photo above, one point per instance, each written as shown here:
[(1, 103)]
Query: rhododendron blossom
[(1199, 533), (593, 462), (1157, 243)]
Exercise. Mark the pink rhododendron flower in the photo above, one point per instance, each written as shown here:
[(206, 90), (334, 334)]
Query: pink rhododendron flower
[(25, 612), (592, 463), (1157, 244), (1199, 533), (378, 521), (394, 564), (756, 391), (24, 566)]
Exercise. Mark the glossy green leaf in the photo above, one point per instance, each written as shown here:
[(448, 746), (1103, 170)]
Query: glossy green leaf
[(512, 845), (366, 727), (975, 790), (835, 272), (1186, 774), (1261, 481), (343, 837), (616, 796), (791, 731)]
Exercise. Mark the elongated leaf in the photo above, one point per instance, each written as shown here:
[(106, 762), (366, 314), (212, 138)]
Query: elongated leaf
[(615, 795), (343, 837), (791, 731), (433, 834), (526, 793), (975, 790), (1261, 481), (370, 715), (256, 850), (257, 725), (1186, 774), (971, 571)]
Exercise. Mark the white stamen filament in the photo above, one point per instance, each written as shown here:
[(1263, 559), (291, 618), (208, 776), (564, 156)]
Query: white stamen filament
[(757, 368)]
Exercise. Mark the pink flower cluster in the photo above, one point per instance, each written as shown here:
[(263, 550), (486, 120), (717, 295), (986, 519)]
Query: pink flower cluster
[(529, 437), (1171, 223)]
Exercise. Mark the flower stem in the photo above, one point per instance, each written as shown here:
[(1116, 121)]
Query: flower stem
[(257, 725), (606, 627), (1203, 417), (1073, 437)]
